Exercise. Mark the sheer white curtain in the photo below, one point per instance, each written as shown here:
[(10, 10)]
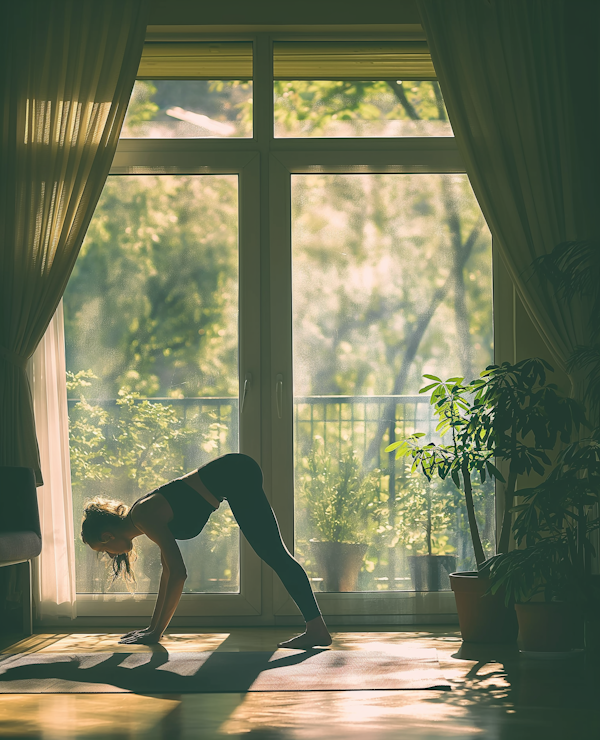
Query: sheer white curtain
[(54, 572)]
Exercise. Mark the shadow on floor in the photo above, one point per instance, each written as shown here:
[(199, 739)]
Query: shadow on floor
[(146, 673)]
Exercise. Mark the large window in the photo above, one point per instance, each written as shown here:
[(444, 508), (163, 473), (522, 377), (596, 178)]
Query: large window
[(282, 249)]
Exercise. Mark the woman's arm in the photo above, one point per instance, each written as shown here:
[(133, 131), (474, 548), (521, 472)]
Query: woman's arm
[(172, 578), (172, 594), (160, 599)]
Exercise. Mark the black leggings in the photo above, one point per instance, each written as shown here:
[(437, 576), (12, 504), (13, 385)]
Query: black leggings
[(239, 479)]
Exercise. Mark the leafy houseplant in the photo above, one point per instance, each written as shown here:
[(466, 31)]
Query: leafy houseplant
[(553, 528), (549, 577), (342, 506), (511, 415)]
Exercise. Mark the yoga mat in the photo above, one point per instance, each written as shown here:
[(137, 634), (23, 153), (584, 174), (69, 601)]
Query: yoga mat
[(219, 672)]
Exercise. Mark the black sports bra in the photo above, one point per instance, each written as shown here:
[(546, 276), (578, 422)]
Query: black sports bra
[(190, 510)]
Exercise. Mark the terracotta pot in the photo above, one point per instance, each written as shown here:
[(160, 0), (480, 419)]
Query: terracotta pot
[(553, 627), (430, 572), (482, 618), (339, 564)]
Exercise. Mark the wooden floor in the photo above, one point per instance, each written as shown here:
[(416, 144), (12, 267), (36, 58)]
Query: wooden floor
[(496, 694)]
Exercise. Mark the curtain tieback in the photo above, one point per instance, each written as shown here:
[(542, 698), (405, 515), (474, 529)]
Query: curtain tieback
[(13, 357)]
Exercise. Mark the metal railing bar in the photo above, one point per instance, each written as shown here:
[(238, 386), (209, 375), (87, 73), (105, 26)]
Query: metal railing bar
[(215, 400)]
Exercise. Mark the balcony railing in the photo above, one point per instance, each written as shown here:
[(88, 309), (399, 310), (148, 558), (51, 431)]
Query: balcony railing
[(340, 421)]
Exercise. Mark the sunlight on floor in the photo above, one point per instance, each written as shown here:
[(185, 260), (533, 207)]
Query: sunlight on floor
[(365, 713), (103, 643), (58, 716)]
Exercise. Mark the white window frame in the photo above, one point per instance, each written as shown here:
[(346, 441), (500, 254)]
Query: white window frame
[(264, 165)]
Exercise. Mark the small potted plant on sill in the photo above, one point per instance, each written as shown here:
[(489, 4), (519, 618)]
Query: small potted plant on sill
[(426, 509), (549, 578), (342, 509), (511, 415)]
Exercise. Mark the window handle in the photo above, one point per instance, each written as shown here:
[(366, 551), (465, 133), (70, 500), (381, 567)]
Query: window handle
[(279, 394), (247, 381)]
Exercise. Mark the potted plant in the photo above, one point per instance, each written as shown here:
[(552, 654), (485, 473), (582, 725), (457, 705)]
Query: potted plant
[(509, 415), (426, 517), (341, 506), (549, 577)]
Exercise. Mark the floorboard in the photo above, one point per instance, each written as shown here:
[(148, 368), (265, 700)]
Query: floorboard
[(496, 694)]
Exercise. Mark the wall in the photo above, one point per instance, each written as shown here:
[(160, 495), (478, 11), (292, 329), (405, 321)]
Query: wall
[(280, 12)]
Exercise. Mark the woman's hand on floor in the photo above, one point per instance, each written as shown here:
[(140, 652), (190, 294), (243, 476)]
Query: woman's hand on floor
[(135, 632), (143, 637)]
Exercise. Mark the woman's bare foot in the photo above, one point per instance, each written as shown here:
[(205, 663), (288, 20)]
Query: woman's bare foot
[(316, 635)]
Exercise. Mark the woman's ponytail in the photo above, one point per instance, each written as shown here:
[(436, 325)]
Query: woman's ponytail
[(102, 514)]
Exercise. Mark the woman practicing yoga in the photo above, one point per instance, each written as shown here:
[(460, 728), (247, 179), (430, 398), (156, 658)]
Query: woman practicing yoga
[(178, 511)]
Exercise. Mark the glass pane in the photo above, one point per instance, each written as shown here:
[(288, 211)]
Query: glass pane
[(345, 108), (391, 279), (151, 317), (189, 109)]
